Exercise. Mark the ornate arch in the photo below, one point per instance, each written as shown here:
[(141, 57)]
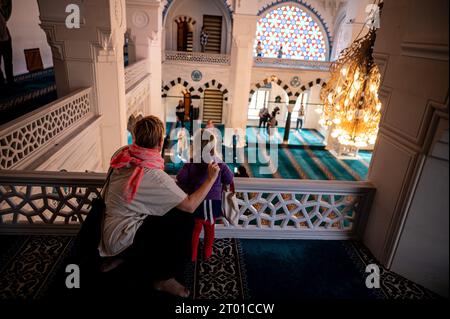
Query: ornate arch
[(214, 84), (283, 85), (310, 9), (182, 19), (166, 88), (308, 86), (169, 3)]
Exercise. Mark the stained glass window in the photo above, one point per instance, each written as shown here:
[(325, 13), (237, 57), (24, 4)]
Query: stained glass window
[(295, 30)]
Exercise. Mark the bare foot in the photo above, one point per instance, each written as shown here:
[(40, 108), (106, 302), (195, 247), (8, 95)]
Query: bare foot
[(172, 287), (111, 264)]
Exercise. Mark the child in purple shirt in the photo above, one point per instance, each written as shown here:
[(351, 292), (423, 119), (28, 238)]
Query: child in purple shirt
[(190, 178)]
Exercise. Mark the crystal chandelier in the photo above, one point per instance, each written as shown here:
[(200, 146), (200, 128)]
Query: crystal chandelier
[(350, 98)]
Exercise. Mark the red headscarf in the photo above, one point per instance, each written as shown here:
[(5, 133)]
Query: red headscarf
[(141, 158)]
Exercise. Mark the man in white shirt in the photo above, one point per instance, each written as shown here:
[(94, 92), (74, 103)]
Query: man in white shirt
[(5, 52), (300, 117)]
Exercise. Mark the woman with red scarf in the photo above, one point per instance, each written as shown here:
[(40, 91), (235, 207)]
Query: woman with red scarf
[(147, 218)]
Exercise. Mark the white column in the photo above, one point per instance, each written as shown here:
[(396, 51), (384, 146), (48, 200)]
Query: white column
[(244, 32), (145, 26), (91, 56)]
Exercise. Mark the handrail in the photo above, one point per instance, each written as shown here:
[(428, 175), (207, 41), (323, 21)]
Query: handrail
[(268, 207), (197, 57), (134, 73), (22, 137), (292, 64)]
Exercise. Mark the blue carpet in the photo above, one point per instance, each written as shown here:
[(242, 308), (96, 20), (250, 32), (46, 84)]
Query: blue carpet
[(33, 268), (297, 269)]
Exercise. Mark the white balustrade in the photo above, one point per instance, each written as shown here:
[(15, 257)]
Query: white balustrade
[(23, 137), (138, 97), (197, 57), (134, 73), (292, 64), (269, 208)]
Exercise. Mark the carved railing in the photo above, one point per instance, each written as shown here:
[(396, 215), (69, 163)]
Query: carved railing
[(138, 97), (292, 64), (24, 136), (269, 208), (134, 73), (197, 57)]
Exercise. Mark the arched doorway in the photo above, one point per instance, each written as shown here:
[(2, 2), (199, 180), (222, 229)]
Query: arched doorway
[(185, 36), (271, 95), (213, 106)]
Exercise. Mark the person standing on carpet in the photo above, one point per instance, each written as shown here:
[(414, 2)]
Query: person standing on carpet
[(301, 117), (273, 122), (263, 117), (180, 110), (147, 220), (192, 176)]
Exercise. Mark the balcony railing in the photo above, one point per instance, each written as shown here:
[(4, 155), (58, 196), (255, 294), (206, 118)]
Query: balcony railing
[(137, 85), (292, 64), (197, 57), (269, 208), (31, 133), (134, 73)]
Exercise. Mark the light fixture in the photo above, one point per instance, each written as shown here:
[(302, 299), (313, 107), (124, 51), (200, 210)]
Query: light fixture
[(350, 98)]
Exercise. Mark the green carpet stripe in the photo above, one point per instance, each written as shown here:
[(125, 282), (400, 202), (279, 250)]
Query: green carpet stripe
[(338, 168), (295, 164), (308, 165), (358, 166), (319, 163), (310, 138), (284, 161), (326, 172), (318, 135), (366, 157)]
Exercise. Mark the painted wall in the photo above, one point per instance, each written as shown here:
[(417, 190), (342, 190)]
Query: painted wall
[(345, 31), (27, 34), (196, 9), (173, 71)]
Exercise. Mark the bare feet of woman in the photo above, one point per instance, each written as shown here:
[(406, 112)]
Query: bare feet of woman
[(173, 287)]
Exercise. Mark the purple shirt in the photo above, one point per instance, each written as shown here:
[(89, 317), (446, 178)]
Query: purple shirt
[(193, 175)]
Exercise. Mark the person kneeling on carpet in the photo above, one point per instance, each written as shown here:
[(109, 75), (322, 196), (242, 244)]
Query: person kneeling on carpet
[(192, 176), (147, 220)]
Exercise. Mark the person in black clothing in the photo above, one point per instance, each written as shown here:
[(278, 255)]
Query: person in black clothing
[(263, 117), (235, 145), (180, 113), (241, 172), (272, 123)]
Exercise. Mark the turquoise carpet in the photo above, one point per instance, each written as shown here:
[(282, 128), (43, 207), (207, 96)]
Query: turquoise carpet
[(296, 137), (304, 157), (294, 163)]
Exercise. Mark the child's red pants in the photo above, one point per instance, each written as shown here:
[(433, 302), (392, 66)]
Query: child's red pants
[(208, 239)]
